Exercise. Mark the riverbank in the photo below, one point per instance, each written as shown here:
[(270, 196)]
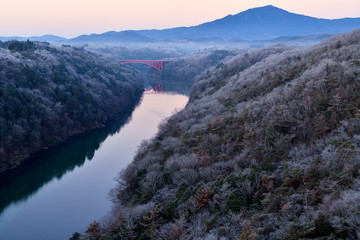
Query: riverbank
[(50, 93), (267, 148), (72, 181)]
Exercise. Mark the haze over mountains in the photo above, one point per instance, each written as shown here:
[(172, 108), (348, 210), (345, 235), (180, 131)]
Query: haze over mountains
[(112, 36), (263, 23), (44, 38)]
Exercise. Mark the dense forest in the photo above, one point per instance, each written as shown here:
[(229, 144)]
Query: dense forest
[(49, 93), (267, 147)]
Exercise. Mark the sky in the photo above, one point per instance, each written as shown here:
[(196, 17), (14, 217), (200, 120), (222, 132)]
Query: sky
[(70, 18)]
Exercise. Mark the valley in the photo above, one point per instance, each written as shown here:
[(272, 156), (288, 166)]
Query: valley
[(263, 142), (242, 127)]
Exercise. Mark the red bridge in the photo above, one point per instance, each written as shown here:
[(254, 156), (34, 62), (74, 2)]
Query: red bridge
[(157, 88), (157, 64)]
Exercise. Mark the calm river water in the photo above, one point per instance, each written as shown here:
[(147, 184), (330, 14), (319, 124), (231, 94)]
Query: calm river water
[(65, 188)]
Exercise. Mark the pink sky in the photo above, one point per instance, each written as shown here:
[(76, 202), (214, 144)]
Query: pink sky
[(70, 18)]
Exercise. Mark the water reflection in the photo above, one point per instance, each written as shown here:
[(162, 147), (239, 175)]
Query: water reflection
[(176, 86), (20, 184), (61, 190), (154, 77)]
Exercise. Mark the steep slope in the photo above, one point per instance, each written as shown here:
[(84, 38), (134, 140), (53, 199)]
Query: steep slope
[(51, 93), (268, 147), (258, 24)]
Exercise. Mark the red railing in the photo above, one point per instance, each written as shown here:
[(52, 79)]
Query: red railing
[(157, 64), (156, 89)]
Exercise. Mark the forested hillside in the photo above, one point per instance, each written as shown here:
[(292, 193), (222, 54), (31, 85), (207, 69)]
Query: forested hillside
[(268, 147), (186, 68), (138, 53), (50, 93)]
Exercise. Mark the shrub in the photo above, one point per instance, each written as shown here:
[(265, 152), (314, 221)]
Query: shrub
[(236, 202)]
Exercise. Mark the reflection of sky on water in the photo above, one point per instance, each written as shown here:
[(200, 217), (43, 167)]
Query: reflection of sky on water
[(63, 191)]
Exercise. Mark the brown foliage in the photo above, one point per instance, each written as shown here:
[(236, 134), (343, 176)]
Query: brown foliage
[(204, 196), (93, 231)]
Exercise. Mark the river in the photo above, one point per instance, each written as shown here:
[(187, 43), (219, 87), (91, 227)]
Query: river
[(63, 189)]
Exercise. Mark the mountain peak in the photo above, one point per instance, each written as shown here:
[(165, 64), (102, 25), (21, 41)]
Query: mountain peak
[(261, 23), (265, 9), (270, 6)]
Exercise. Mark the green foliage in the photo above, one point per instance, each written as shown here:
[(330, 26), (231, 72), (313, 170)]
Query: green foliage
[(181, 190), (322, 227), (211, 223), (168, 211), (252, 174), (157, 145), (236, 202), (266, 164), (233, 179), (75, 236), (168, 153), (19, 46), (298, 230)]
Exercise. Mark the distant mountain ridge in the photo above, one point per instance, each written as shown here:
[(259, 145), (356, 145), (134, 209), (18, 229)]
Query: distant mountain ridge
[(261, 23), (112, 36), (44, 38)]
